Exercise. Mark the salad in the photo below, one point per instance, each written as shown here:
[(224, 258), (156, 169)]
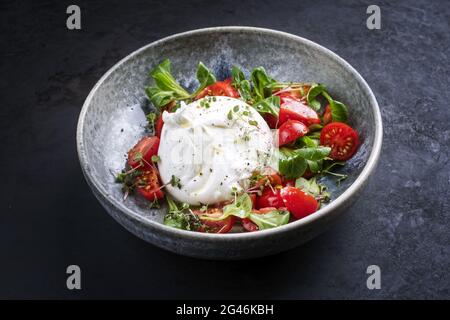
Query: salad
[(244, 153)]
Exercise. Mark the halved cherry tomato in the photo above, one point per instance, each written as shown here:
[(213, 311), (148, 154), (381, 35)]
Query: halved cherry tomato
[(327, 118), (159, 126), (143, 151), (249, 225), (253, 198), (290, 131), (272, 121), (294, 109), (219, 88), (214, 226), (148, 186), (289, 183), (269, 175), (269, 198), (342, 139), (308, 174), (160, 122), (299, 203)]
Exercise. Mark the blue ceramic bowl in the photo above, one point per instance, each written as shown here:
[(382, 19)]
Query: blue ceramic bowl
[(113, 119)]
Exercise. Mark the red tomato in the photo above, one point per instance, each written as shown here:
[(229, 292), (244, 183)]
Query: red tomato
[(294, 109), (249, 225), (342, 139), (220, 88), (143, 151), (290, 131), (159, 126), (269, 198), (271, 175), (299, 203), (327, 115), (308, 174), (289, 183), (159, 123), (215, 226), (253, 198), (147, 185), (272, 121)]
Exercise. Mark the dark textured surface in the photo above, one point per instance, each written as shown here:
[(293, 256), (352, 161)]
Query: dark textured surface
[(400, 223)]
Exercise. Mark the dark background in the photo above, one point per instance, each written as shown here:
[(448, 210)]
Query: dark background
[(49, 219)]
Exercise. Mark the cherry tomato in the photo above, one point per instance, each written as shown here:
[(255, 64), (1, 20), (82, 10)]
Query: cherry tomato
[(143, 151), (289, 183), (299, 203), (269, 198), (160, 122), (327, 118), (147, 185), (219, 88), (215, 226), (290, 131), (158, 126), (342, 139), (269, 175), (253, 198), (249, 225), (272, 121), (308, 174), (294, 109)]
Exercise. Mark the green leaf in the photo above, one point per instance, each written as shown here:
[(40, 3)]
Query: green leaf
[(310, 186), (290, 164), (260, 81), (204, 76), (339, 112), (159, 97), (270, 219), (269, 105), (165, 81), (167, 88), (309, 142), (314, 188), (241, 208), (175, 182), (179, 217), (313, 93), (241, 84), (313, 154), (314, 166)]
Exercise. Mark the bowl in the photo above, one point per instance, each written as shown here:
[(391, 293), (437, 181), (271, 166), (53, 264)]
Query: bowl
[(113, 119)]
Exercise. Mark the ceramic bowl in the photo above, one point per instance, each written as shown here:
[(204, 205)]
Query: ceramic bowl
[(113, 119)]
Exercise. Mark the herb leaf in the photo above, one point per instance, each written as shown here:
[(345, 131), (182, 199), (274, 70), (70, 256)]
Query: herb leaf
[(167, 88), (339, 112), (314, 188), (290, 164), (180, 217), (261, 81), (204, 76), (241, 84), (175, 182), (269, 105), (270, 219), (313, 154), (313, 93)]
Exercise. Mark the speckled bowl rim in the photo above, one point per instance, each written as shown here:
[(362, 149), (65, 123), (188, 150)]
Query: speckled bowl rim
[(335, 204)]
